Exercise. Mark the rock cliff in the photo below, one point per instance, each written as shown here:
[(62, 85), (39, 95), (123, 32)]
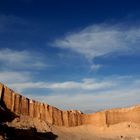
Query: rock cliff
[(20, 105)]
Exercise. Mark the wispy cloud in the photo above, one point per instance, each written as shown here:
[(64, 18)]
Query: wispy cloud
[(19, 66), (83, 85), (95, 67), (13, 76), (102, 40), (85, 94), (124, 91), (14, 59), (93, 102)]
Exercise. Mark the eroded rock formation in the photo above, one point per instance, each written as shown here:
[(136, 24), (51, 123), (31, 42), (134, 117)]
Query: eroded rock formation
[(20, 105)]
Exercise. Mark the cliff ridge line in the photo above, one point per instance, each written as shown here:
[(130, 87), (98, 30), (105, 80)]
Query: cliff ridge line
[(20, 105)]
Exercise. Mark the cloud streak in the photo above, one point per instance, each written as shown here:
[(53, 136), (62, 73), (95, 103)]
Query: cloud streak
[(102, 40), (14, 59), (85, 94), (93, 102), (12, 76), (83, 85), (95, 67)]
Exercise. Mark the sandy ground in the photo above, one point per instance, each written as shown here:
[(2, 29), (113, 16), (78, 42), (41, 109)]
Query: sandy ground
[(122, 131)]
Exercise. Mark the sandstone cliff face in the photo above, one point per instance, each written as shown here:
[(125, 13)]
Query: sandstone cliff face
[(113, 116), (20, 105)]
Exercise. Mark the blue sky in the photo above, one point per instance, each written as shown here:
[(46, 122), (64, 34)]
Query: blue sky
[(81, 54)]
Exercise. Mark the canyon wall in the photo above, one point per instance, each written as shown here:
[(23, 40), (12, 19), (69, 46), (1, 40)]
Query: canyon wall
[(20, 105), (113, 116)]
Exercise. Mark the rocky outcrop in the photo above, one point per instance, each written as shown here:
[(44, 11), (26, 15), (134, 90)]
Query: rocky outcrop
[(113, 116), (20, 105)]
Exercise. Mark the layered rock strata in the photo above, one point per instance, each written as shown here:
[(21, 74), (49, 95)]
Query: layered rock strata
[(20, 105)]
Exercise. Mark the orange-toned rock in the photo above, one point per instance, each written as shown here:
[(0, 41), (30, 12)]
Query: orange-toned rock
[(7, 97), (24, 106), (31, 108), (20, 105), (12, 101), (1, 90), (48, 116), (65, 115), (17, 104), (98, 119)]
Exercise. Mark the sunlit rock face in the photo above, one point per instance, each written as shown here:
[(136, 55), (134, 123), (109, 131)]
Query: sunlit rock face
[(20, 105)]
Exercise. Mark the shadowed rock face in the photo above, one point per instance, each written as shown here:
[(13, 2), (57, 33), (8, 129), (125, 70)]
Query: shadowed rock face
[(20, 105), (11, 133)]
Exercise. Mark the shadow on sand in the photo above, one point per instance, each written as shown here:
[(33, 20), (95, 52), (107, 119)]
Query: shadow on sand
[(10, 133)]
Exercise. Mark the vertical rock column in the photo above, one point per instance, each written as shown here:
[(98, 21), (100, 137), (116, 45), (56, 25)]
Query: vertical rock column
[(17, 105), (65, 118), (24, 106), (48, 114), (57, 117), (7, 98), (36, 109), (42, 112), (12, 101), (31, 108), (80, 118), (1, 90), (71, 118)]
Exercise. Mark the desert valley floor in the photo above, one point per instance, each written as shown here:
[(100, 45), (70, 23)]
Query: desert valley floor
[(23, 118)]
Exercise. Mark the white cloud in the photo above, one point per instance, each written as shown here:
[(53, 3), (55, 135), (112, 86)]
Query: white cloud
[(83, 85), (93, 102), (14, 59), (95, 67), (12, 77), (102, 40), (86, 94), (19, 66)]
